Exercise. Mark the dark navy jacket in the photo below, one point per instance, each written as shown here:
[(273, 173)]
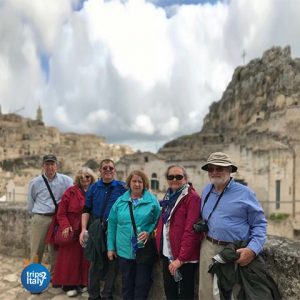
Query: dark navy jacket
[(97, 195)]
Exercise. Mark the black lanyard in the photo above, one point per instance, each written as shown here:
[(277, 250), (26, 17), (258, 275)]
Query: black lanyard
[(219, 198)]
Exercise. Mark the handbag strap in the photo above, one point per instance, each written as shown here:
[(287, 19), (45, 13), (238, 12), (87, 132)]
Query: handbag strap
[(132, 218), (50, 191)]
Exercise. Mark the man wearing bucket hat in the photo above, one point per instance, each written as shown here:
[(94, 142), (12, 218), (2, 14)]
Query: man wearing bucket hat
[(230, 212)]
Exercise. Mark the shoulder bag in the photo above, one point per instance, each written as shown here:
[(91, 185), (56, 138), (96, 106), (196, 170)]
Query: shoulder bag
[(147, 254)]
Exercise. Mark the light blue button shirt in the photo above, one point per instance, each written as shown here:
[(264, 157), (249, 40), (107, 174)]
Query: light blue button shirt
[(39, 199), (237, 217)]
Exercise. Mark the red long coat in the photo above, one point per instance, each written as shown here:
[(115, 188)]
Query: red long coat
[(184, 242), (71, 268)]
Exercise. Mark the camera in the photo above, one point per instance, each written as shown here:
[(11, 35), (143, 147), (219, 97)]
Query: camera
[(200, 226)]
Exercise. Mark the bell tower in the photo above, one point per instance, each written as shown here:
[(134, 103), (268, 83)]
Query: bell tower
[(39, 115)]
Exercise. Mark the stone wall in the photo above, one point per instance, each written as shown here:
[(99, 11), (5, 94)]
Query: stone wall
[(282, 255), (14, 231), (283, 260)]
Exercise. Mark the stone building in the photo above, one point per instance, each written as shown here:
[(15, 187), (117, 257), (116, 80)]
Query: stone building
[(154, 166)]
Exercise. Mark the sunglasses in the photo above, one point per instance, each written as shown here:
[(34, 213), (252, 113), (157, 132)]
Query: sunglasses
[(107, 168), (218, 169), (86, 177), (177, 177)]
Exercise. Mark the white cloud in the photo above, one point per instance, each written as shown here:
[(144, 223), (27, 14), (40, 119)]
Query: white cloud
[(129, 70), (44, 18), (143, 124), (170, 127), (61, 113), (133, 33)]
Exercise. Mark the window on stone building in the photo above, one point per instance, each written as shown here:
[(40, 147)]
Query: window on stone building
[(146, 159), (277, 194), (154, 182)]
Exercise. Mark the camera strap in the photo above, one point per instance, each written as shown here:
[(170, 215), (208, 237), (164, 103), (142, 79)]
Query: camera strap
[(219, 198), (50, 192)]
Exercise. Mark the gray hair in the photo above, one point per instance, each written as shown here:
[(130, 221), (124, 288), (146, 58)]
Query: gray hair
[(177, 166)]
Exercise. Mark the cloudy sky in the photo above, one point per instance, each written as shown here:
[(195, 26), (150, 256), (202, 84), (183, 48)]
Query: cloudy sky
[(138, 72)]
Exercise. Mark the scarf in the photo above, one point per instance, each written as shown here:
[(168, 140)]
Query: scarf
[(169, 201)]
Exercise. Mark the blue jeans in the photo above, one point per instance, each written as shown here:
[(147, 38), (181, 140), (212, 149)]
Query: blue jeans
[(136, 279)]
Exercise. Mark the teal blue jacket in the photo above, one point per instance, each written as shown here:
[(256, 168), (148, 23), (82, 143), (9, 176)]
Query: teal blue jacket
[(146, 214)]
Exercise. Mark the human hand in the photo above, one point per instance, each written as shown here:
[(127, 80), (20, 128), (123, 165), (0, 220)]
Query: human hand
[(174, 265), (246, 256), (111, 255), (81, 237), (143, 236), (66, 231)]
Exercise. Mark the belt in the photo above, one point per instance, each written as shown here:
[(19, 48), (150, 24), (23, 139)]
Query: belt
[(217, 242), (45, 215)]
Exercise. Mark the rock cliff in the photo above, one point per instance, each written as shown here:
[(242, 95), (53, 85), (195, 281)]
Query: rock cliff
[(259, 109)]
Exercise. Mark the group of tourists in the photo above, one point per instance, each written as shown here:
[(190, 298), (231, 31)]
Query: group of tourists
[(113, 226)]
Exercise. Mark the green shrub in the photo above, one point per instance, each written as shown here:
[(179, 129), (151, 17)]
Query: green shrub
[(278, 216)]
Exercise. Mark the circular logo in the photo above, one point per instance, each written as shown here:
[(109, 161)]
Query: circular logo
[(35, 278)]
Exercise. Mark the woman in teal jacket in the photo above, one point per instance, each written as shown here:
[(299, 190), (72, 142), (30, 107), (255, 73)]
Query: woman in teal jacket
[(136, 277)]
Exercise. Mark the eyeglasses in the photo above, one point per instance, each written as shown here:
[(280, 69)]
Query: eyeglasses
[(86, 177), (177, 177), (107, 168), (218, 169)]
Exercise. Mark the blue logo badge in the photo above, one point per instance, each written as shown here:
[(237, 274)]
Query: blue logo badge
[(35, 278)]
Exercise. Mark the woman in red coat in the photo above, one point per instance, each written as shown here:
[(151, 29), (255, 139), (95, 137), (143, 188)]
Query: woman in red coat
[(176, 240), (71, 268)]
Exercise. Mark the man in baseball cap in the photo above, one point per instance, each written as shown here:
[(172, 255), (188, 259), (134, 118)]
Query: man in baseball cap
[(42, 206), (50, 157)]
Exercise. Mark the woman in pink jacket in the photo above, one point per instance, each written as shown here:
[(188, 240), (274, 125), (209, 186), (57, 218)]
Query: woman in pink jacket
[(177, 243)]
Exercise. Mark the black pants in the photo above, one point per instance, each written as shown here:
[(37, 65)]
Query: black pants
[(183, 289), (136, 279), (109, 280)]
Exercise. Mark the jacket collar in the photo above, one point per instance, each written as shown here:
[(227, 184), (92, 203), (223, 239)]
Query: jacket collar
[(183, 193)]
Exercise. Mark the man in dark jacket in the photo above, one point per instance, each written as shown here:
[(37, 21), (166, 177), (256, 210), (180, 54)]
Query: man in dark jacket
[(99, 199)]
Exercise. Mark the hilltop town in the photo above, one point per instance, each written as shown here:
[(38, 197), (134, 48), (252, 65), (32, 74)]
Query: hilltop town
[(24, 141)]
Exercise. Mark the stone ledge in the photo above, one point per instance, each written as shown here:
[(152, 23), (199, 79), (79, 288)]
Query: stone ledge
[(283, 259), (282, 255)]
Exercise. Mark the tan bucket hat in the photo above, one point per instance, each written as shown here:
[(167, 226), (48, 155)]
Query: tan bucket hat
[(219, 159)]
